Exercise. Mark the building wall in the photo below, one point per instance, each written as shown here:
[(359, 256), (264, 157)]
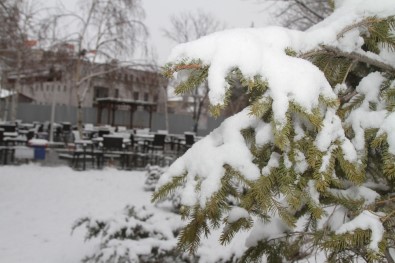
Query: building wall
[(44, 89), (28, 112)]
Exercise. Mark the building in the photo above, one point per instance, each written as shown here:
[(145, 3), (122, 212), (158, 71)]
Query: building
[(56, 83), (65, 80)]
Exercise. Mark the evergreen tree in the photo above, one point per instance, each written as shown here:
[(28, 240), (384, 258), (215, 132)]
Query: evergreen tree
[(308, 169)]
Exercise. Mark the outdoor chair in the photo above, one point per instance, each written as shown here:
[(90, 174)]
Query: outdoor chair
[(102, 132), (6, 150), (187, 142), (78, 152), (8, 127), (66, 131), (58, 133), (156, 148), (2, 146), (111, 148), (30, 135), (134, 154), (1, 136), (157, 144)]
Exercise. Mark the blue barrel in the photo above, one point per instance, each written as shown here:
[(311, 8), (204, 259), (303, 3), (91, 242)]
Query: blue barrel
[(39, 152)]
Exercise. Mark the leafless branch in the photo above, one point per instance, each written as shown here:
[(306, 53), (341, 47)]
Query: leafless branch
[(189, 26), (298, 14)]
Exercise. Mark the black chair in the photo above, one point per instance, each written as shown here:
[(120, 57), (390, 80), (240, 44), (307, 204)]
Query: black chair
[(8, 127), (189, 140), (66, 127), (2, 147), (113, 143), (6, 150), (111, 148), (157, 144), (59, 133), (1, 136), (66, 132), (156, 148), (136, 154), (30, 135), (187, 143), (102, 132)]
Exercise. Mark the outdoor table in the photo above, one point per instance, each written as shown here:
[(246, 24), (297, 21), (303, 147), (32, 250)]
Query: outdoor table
[(15, 140), (142, 137), (98, 140), (22, 131), (23, 128), (10, 134), (89, 134)]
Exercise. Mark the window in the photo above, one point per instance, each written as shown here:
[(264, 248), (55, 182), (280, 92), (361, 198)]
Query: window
[(146, 95), (136, 95), (100, 92), (116, 93)]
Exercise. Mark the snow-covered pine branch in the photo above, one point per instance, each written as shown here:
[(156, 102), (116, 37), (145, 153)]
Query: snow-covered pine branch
[(296, 160)]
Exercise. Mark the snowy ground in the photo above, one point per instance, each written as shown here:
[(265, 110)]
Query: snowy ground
[(38, 205)]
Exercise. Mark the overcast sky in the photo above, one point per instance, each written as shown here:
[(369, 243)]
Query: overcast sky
[(234, 13)]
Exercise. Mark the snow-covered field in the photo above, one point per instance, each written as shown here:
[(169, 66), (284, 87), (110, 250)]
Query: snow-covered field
[(38, 206)]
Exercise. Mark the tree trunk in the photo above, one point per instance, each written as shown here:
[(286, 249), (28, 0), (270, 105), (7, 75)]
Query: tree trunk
[(79, 118), (3, 105), (15, 96), (53, 108), (199, 110), (79, 97)]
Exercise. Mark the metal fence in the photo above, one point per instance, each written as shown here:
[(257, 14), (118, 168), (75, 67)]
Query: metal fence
[(176, 123)]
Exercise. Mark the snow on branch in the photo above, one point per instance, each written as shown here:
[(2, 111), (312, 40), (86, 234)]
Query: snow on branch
[(366, 220)]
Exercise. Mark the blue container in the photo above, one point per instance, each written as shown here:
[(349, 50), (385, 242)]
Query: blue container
[(39, 152)]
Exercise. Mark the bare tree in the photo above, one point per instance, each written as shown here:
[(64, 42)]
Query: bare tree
[(298, 14), (188, 26), (17, 37), (108, 31)]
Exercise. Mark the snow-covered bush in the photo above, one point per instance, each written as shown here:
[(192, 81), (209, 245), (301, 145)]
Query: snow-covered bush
[(146, 234), (153, 173), (315, 150), (135, 236)]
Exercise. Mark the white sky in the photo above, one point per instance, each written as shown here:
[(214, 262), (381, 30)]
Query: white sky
[(234, 13)]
